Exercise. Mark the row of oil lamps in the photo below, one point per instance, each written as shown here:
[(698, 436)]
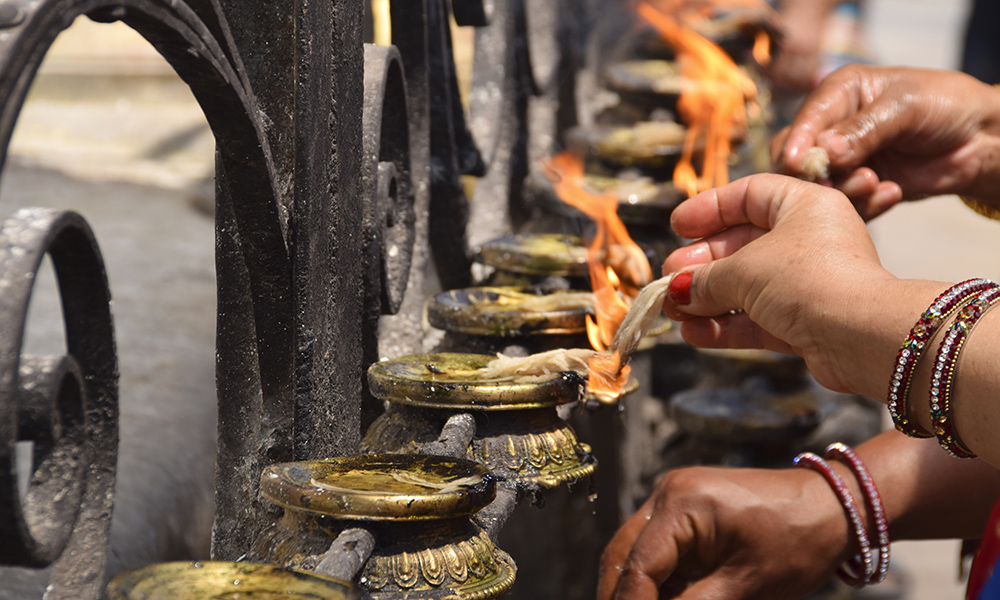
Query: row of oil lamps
[(418, 514)]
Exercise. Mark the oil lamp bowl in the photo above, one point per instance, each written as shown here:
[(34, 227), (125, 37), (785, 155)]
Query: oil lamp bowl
[(511, 311), (735, 416), (541, 254), (416, 507), (646, 144), (451, 380), (657, 77), (733, 31), (226, 581), (642, 200), (380, 487)]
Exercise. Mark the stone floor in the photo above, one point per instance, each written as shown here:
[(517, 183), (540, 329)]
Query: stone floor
[(133, 155)]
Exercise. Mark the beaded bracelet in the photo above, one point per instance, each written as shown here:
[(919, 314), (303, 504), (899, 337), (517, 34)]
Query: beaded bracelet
[(873, 500), (864, 571), (945, 364), (910, 352)]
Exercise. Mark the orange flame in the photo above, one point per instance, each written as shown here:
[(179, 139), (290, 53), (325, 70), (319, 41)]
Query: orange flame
[(713, 104), (762, 48), (618, 269)]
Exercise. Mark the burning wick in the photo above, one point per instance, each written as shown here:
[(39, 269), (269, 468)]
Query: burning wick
[(618, 270), (762, 48), (606, 371)]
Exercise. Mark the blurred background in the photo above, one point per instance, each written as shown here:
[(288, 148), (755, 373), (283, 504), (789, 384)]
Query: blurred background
[(110, 131)]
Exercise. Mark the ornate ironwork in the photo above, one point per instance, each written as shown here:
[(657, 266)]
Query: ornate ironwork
[(67, 405), (337, 182)]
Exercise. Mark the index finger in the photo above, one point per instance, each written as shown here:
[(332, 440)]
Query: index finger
[(642, 554), (652, 559), (832, 101), (616, 553)]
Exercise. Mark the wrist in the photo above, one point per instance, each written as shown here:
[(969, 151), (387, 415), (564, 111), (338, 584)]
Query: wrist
[(881, 317), (868, 533), (833, 524), (861, 329)]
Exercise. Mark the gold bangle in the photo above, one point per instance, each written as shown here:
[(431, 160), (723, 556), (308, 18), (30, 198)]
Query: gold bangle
[(986, 210)]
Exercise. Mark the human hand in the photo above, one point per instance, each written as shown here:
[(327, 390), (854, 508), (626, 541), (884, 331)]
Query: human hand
[(798, 262), (739, 534), (897, 133)]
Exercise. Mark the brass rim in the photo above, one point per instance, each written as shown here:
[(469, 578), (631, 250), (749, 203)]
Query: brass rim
[(224, 580), (381, 487), (448, 380), (494, 311), (551, 254)]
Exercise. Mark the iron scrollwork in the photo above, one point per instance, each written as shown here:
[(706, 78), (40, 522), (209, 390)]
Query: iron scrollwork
[(67, 405), (390, 218)]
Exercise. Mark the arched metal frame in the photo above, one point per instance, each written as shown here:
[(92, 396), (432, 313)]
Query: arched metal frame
[(282, 87), (288, 204)]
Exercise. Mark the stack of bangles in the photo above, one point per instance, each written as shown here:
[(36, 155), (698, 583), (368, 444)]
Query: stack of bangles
[(970, 300), (860, 570)]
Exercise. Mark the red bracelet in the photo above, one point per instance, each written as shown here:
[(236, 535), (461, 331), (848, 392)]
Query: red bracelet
[(910, 352), (861, 564), (873, 500), (945, 364)]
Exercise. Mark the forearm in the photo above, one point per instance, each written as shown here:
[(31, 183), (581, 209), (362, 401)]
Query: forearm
[(975, 390), (869, 326), (862, 327), (926, 493)]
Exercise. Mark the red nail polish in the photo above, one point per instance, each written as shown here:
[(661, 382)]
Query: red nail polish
[(680, 288)]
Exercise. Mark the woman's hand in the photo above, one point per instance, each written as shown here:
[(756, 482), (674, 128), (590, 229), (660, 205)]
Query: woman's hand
[(899, 133), (738, 534), (798, 261), (743, 534)]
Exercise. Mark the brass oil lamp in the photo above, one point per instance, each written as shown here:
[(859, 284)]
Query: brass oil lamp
[(526, 260), (518, 433), (488, 319), (418, 510), (516, 430)]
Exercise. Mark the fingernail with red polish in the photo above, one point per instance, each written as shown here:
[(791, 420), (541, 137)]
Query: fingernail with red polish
[(679, 289)]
